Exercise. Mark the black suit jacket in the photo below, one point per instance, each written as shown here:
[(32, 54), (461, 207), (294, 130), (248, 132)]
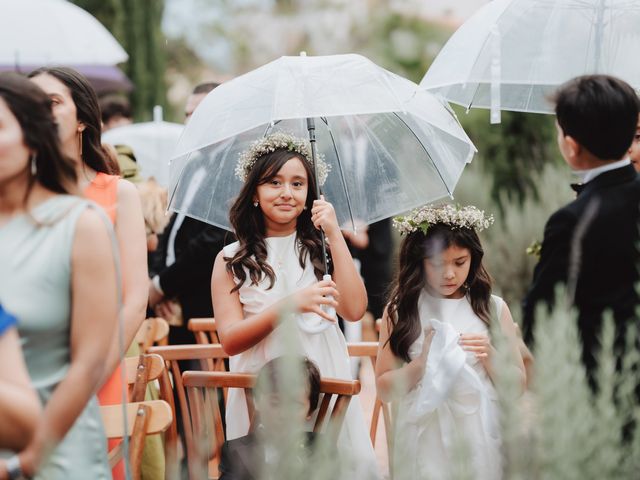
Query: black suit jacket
[(600, 230), (189, 278)]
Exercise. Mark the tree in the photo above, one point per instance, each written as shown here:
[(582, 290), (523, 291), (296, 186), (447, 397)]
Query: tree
[(136, 25)]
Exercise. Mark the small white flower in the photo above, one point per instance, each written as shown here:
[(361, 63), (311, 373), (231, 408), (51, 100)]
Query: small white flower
[(277, 141), (455, 217)]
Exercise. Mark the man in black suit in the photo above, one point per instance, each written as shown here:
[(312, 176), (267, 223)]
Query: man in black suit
[(591, 244), (186, 253)]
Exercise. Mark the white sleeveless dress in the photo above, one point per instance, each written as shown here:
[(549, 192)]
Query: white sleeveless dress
[(453, 410), (327, 349)]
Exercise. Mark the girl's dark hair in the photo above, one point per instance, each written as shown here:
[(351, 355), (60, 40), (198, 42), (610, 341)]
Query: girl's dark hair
[(88, 112), (404, 321), (271, 378), (32, 108), (248, 223)]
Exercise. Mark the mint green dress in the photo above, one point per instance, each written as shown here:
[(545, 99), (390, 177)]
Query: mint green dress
[(35, 286)]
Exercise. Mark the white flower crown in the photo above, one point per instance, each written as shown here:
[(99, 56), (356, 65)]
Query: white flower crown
[(455, 217), (278, 141)]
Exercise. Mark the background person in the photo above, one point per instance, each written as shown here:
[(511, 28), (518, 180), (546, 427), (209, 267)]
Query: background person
[(58, 277), (19, 404)]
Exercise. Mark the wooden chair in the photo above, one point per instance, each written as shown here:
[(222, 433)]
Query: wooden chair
[(152, 331), (204, 330), (142, 419), (141, 370), (172, 355), (370, 350), (204, 410)]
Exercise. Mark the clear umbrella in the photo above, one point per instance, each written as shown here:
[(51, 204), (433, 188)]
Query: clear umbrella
[(40, 32), (390, 147), (513, 53), (153, 144)]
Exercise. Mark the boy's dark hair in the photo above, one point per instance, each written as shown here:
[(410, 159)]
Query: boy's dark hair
[(270, 376), (600, 112), (112, 106), (205, 87)]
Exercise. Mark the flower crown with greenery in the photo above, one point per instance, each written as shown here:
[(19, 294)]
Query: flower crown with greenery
[(279, 141), (453, 216)]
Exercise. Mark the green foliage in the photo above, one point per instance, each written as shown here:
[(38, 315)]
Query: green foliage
[(404, 44), (572, 432), (513, 151), (136, 25), (517, 227)]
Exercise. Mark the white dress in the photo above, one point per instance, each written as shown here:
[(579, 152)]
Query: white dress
[(453, 410), (327, 349)]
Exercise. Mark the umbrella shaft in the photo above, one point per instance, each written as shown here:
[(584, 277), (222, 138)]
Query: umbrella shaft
[(311, 127)]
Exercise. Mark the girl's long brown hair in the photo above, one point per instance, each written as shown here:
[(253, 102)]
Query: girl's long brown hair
[(404, 321), (249, 227)]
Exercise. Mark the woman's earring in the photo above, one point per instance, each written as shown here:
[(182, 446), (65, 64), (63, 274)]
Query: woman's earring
[(305, 207), (256, 203), (34, 165), (80, 142)]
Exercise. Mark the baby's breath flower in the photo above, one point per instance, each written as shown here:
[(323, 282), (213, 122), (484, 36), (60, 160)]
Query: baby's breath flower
[(279, 141), (455, 217)]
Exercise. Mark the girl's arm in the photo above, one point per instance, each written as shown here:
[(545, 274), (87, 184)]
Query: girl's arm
[(348, 281), (394, 378), (93, 318), (237, 333), (19, 404), (132, 245)]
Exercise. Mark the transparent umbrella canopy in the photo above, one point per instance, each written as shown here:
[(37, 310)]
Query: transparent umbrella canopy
[(43, 32), (153, 144), (389, 146), (512, 54)]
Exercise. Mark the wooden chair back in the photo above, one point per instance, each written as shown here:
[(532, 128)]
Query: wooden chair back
[(172, 355), (201, 387), (152, 331), (370, 350), (204, 330), (141, 370), (142, 419)]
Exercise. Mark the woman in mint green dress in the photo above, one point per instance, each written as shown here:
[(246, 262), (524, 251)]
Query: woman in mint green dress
[(57, 276)]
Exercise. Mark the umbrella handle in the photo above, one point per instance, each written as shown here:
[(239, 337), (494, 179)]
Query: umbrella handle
[(320, 325)]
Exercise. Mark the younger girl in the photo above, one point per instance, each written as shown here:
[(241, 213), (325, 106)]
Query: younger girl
[(277, 265), (435, 350)]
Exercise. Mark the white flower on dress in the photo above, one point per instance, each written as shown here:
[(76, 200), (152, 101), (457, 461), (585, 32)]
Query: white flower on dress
[(455, 217)]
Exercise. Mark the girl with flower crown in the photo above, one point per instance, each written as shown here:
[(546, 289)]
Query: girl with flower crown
[(276, 266), (435, 354)]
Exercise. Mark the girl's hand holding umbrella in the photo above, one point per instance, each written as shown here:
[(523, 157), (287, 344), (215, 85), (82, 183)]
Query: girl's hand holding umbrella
[(324, 218)]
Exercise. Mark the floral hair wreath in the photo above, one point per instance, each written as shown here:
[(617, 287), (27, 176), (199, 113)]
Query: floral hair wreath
[(453, 216), (279, 141)]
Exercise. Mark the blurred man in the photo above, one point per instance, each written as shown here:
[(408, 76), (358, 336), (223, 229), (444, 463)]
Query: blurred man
[(187, 250)]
